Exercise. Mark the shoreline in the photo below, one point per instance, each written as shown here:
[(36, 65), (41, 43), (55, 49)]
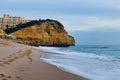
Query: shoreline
[(22, 62)]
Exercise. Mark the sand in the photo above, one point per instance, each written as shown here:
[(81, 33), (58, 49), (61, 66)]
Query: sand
[(21, 62)]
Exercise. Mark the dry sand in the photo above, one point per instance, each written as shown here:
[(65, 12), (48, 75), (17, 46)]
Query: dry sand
[(21, 62)]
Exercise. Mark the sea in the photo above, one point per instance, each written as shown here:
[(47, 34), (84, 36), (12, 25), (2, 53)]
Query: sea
[(95, 62)]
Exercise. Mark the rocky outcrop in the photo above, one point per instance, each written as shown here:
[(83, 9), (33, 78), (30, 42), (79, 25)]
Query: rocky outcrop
[(50, 33), (3, 34)]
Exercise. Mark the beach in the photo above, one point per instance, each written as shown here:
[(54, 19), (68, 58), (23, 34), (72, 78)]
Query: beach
[(22, 62)]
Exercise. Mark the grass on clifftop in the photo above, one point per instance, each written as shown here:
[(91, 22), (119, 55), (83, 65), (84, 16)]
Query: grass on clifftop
[(31, 23)]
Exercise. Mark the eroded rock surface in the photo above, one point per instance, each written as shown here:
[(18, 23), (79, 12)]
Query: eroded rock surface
[(50, 33)]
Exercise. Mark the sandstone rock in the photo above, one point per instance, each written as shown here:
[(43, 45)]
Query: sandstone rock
[(3, 34), (11, 37), (48, 33)]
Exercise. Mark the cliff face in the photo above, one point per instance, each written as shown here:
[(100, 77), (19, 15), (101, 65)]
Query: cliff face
[(46, 34), (3, 34)]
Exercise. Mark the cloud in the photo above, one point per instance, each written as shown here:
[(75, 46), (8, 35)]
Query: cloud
[(92, 23), (84, 15), (75, 7), (63, 5)]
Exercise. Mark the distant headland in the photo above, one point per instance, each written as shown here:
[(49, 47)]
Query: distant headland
[(35, 32)]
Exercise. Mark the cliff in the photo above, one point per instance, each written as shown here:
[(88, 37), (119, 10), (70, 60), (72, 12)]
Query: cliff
[(3, 34), (48, 33)]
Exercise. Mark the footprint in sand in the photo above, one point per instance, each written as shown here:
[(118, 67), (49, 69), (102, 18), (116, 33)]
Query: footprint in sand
[(4, 77), (6, 62), (18, 78), (1, 63), (13, 57), (9, 59)]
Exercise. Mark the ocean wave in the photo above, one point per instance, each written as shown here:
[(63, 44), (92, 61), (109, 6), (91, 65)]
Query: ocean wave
[(89, 65), (97, 47), (81, 54)]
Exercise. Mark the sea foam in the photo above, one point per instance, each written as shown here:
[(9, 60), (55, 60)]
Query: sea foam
[(89, 65)]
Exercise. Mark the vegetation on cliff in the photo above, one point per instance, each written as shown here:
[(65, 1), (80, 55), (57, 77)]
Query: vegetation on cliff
[(31, 23)]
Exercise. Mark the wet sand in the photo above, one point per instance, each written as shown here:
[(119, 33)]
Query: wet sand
[(21, 62)]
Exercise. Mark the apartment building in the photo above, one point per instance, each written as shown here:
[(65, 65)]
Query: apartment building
[(11, 21)]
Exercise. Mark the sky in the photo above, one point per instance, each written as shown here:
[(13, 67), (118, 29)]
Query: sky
[(90, 16)]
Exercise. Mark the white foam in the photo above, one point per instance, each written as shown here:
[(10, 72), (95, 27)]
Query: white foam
[(80, 54), (89, 65), (65, 68)]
